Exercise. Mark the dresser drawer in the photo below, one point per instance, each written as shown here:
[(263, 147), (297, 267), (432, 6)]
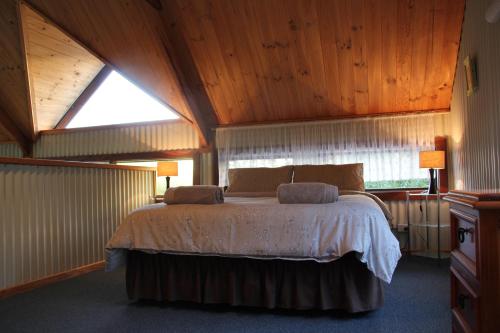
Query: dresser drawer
[(465, 237), (464, 304)]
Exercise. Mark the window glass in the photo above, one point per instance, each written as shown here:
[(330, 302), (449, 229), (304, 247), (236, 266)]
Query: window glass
[(119, 101)]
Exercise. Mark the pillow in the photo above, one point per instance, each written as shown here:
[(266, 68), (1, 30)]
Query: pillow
[(258, 179), (344, 176)]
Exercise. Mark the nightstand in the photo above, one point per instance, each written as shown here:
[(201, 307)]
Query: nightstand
[(426, 221), (475, 261)]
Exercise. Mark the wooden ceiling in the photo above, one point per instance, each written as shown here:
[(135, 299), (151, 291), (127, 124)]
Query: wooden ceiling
[(127, 35), (59, 69), (288, 60), (14, 101), (225, 62)]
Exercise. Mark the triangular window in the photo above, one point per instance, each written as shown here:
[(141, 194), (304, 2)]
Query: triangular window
[(119, 101)]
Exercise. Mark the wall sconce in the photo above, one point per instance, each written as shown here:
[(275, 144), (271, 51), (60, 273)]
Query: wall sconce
[(492, 14)]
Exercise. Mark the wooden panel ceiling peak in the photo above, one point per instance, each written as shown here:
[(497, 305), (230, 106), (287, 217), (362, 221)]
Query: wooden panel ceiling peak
[(280, 60), (59, 68)]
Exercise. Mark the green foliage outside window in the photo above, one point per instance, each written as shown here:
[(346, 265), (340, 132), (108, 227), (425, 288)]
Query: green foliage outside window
[(389, 184)]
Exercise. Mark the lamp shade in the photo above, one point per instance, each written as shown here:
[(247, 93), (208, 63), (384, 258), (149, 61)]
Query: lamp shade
[(432, 159), (167, 169)]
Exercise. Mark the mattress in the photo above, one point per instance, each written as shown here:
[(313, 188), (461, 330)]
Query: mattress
[(262, 228)]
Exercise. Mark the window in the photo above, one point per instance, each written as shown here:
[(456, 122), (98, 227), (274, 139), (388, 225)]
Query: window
[(118, 101), (388, 147), (185, 177)]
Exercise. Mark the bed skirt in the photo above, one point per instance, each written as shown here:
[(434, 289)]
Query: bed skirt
[(342, 284)]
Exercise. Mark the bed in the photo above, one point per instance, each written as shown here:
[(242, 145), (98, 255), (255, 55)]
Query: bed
[(253, 251)]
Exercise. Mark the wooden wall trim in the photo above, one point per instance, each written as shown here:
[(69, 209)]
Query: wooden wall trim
[(115, 126), (59, 163), (155, 155), (84, 97), (24, 287), (337, 117)]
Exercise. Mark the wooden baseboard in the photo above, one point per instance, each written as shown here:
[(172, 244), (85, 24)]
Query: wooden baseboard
[(21, 288)]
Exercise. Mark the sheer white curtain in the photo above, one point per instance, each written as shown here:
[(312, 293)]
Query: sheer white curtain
[(387, 146)]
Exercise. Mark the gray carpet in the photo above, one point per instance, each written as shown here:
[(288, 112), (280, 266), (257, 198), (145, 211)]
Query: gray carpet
[(417, 300)]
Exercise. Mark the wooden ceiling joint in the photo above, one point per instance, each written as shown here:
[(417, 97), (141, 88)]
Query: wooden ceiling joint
[(188, 76)]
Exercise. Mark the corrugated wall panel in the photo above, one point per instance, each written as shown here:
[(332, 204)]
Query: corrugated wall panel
[(206, 169), (475, 120), (53, 219), (10, 150), (129, 139)]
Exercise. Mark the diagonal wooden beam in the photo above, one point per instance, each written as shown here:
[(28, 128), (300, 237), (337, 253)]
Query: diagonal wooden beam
[(187, 73), (84, 97), (10, 127)]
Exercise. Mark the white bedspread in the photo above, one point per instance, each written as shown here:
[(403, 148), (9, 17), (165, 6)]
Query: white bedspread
[(263, 228)]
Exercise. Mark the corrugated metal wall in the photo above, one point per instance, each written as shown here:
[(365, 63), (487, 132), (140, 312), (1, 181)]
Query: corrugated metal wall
[(130, 139), (206, 172), (10, 150), (53, 219), (475, 120), (419, 233)]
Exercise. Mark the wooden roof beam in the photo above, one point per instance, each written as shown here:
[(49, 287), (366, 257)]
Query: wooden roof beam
[(10, 127), (187, 74)]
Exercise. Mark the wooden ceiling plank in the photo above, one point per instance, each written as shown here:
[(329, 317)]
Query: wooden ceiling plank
[(403, 58), (236, 51), (187, 74), (360, 59), (58, 68), (434, 79), (257, 65), (302, 84), (373, 24), (84, 97), (421, 49), (261, 68), (389, 55), (233, 95), (313, 54), (326, 16), (451, 44), (193, 36), (275, 31), (344, 50)]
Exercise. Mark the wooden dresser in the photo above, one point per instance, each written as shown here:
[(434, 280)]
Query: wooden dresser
[(475, 261)]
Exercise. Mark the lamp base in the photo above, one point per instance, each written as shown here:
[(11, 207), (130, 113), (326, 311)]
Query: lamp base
[(168, 182), (433, 182)]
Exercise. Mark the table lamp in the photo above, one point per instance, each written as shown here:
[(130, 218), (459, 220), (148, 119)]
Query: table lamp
[(167, 169), (432, 159)]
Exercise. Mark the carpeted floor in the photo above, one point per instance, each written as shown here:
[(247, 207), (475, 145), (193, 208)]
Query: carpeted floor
[(417, 300)]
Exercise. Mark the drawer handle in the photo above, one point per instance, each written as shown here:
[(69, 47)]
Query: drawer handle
[(461, 300), (461, 234)]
